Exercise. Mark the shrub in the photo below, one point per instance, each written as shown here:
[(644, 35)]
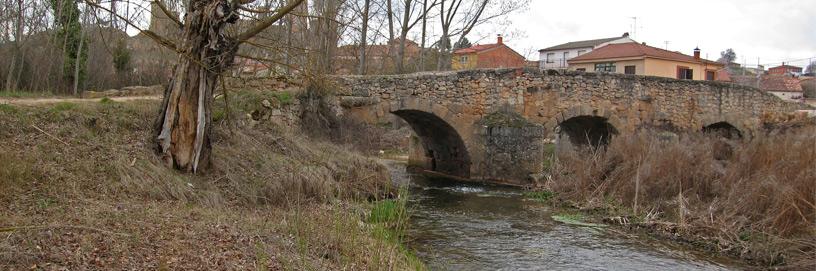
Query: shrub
[(765, 186)]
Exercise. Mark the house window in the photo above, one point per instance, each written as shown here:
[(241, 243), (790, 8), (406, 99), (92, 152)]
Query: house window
[(581, 69), (550, 57), (463, 60), (581, 52), (685, 73), (711, 75), (629, 69), (605, 67)]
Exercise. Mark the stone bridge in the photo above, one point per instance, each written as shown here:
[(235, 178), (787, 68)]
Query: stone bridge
[(493, 125)]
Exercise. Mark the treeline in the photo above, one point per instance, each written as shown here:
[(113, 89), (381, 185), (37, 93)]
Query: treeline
[(67, 46)]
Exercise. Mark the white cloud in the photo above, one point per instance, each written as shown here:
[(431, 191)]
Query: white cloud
[(774, 30)]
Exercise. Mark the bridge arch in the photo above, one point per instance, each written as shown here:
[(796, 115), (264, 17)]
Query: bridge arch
[(723, 129), (585, 126), (444, 148), (728, 125)]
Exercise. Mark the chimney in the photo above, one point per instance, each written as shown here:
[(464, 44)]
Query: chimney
[(697, 53), (500, 39), (626, 34)]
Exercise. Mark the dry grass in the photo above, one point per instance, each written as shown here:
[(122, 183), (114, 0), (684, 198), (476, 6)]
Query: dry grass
[(753, 199), (81, 188)]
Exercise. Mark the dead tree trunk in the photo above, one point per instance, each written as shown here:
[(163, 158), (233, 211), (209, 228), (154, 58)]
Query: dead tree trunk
[(184, 126)]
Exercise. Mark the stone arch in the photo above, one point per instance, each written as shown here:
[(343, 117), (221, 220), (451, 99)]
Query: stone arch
[(728, 125), (583, 125), (723, 129), (587, 131), (444, 146), (445, 151)]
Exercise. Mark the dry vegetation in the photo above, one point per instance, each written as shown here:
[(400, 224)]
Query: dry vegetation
[(751, 199), (81, 188)]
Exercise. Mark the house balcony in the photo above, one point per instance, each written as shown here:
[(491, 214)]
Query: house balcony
[(556, 64)]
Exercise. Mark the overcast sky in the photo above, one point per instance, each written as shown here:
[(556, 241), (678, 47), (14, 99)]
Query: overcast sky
[(773, 30)]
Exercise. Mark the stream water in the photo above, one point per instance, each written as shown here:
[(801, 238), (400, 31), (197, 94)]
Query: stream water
[(464, 226)]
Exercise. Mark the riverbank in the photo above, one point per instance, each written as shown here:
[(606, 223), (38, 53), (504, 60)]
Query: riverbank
[(82, 189), (475, 226), (753, 200)]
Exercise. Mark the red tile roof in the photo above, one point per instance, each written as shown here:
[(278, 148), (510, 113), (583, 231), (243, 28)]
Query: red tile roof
[(787, 67), (477, 48), (780, 83), (770, 82), (632, 49)]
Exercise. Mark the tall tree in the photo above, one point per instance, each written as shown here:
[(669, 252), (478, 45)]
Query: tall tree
[(184, 125), (728, 56), (364, 36), (69, 33), (423, 36), (410, 18), (463, 43)]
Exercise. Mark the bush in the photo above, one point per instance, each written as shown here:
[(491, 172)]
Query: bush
[(765, 186)]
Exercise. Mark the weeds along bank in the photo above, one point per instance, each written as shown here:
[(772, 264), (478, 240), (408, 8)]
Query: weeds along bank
[(80, 187), (752, 199)]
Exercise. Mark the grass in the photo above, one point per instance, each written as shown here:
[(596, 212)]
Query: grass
[(63, 106), (24, 94), (106, 100), (7, 108), (540, 196), (284, 97), (390, 221), (549, 157), (87, 192), (706, 189)]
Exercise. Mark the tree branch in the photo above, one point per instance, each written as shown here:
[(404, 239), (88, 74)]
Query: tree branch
[(159, 39), (168, 13), (258, 28)]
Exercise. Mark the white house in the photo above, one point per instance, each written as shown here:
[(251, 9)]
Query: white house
[(556, 57)]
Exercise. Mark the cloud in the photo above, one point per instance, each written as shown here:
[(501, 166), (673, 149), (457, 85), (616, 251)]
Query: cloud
[(771, 30)]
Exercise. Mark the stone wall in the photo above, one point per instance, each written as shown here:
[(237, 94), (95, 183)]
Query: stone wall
[(542, 97), (545, 100)]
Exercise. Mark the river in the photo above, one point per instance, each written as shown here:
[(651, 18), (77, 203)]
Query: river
[(465, 226)]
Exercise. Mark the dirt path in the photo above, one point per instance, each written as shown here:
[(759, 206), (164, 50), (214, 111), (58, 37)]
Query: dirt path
[(40, 101)]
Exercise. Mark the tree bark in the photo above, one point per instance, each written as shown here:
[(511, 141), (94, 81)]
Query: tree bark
[(424, 30), (403, 35), (364, 38), (183, 128), (390, 13)]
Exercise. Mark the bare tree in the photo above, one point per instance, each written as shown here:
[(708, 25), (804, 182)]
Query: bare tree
[(205, 51), (410, 18), (364, 36), (459, 17)]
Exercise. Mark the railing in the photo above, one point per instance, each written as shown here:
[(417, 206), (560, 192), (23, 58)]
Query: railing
[(559, 63)]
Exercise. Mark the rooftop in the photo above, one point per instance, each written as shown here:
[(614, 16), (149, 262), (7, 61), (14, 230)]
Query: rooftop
[(583, 43), (477, 48), (634, 50)]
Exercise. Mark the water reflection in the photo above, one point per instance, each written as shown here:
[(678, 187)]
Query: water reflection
[(459, 226)]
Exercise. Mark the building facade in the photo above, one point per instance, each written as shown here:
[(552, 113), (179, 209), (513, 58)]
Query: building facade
[(556, 57), (641, 59), (785, 69), (497, 55)]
